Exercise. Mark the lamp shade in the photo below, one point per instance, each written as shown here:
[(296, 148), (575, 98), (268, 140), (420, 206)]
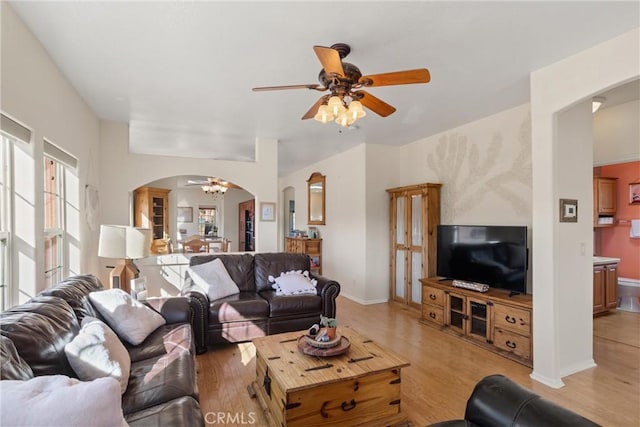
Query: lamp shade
[(119, 241)]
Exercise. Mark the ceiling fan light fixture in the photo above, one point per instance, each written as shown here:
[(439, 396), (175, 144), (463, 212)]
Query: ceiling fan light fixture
[(356, 111), (345, 120), (336, 105), (324, 114), (215, 188)]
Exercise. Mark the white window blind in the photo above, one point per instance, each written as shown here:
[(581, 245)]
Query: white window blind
[(15, 129), (59, 155)]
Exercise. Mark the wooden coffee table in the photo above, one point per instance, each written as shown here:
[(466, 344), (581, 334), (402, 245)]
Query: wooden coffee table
[(359, 387)]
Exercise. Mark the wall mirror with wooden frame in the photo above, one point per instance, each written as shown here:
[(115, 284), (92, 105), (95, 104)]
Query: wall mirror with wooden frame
[(317, 190)]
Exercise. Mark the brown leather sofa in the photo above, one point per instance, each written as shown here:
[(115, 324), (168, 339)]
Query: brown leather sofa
[(257, 311), (162, 387)]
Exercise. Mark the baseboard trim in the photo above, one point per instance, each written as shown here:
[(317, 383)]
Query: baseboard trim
[(551, 382), (577, 367), (363, 301)]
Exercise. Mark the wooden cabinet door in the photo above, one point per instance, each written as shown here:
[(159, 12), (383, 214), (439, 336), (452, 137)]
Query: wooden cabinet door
[(456, 313), (611, 286), (409, 237), (399, 246), (598, 289), (607, 194), (478, 319)]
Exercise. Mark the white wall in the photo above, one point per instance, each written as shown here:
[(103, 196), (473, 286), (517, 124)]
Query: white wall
[(616, 134), (37, 94), (485, 169), (381, 168), (553, 89), (575, 279), (343, 244)]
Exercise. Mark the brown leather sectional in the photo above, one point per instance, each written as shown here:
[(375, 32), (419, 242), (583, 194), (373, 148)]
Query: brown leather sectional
[(256, 311), (162, 387)]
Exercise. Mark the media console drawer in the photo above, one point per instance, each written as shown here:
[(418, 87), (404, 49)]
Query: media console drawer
[(512, 318), (433, 314), (512, 343), (433, 296)]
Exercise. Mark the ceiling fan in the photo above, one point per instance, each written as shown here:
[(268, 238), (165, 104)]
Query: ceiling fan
[(344, 82), (210, 181)]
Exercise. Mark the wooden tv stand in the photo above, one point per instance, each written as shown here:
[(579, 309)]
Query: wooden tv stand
[(493, 319)]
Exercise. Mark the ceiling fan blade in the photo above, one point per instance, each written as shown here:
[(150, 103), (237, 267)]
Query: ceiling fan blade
[(420, 75), (314, 109), (376, 105), (311, 86), (330, 60)]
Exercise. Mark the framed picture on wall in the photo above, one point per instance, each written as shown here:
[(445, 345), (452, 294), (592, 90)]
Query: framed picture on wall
[(568, 210), (267, 211), (185, 214), (634, 193)]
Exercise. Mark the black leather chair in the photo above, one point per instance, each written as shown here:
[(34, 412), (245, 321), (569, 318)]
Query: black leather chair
[(497, 401)]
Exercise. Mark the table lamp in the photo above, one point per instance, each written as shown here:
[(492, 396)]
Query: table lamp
[(125, 243)]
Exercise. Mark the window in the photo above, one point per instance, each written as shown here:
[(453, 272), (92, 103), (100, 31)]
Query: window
[(207, 221), (53, 221), (61, 222), (5, 211)]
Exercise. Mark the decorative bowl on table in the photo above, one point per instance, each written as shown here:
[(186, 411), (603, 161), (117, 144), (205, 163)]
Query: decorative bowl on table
[(308, 345), (314, 342)]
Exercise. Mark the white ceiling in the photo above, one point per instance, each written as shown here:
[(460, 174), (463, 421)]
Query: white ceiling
[(181, 73)]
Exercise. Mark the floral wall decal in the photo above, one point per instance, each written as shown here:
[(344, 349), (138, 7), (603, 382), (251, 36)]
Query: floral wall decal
[(472, 170)]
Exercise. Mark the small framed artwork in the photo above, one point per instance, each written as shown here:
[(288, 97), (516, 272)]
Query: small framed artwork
[(267, 211), (634, 193), (185, 214), (568, 210)]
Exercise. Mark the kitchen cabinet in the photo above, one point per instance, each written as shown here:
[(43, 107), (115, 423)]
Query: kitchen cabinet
[(605, 287), (604, 201)]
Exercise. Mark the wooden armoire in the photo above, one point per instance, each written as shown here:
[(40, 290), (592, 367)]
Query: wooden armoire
[(151, 210), (415, 215)]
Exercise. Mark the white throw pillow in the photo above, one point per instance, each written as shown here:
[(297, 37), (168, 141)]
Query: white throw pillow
[(130, 319), (294, 283), (97, 352), (213, 278), (57, 400)]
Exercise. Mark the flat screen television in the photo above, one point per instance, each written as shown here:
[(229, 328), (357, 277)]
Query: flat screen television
[(492, 255)]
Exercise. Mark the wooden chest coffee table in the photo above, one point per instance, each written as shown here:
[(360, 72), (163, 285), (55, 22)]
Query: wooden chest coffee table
[(360, 387)]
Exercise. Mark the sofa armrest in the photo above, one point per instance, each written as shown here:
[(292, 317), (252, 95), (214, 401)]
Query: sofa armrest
[(199, 305), (328, 290), (173, 309), (497, 401)]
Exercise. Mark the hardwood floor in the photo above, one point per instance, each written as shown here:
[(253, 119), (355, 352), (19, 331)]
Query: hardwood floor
[(444, 370)]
